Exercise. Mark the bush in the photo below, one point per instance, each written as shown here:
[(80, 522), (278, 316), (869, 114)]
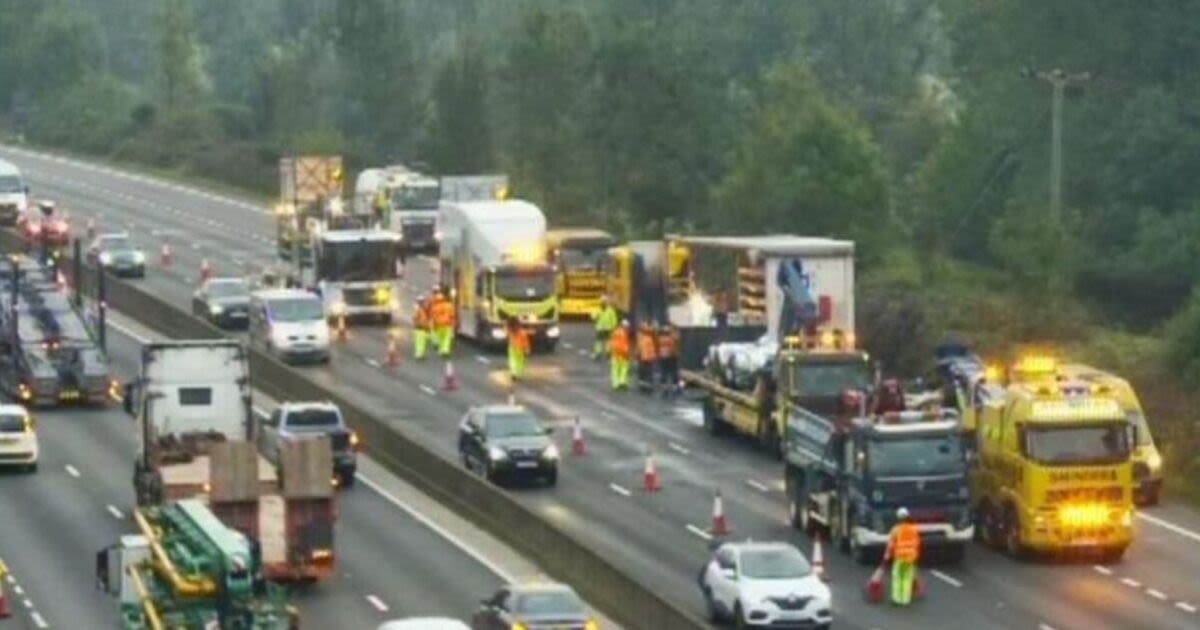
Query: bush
[(90, 116)]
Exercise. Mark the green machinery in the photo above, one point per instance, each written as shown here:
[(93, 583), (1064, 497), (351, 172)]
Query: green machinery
[(188, 571)]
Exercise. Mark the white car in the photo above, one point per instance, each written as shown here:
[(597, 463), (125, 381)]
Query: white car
[(765, 585), (18, 438), (424, 623)]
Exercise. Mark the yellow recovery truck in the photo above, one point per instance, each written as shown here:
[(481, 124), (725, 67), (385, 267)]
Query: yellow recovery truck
[(1054, 471), (579, 255)]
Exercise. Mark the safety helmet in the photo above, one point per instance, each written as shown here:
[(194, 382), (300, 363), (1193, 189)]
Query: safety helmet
[(902, 514)]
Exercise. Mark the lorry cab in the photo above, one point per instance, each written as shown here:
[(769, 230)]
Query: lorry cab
[(644, 279), (1054, 471), (579, 255), (14, 194), (356, 273)]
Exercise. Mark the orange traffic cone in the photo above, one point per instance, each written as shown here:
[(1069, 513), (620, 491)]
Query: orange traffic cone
[(577, 444), (165, 258), (449, 380), (342, 333), (720, 525), (650, 480), (875, 586), (206, 271), (818, 559), (393, 352)]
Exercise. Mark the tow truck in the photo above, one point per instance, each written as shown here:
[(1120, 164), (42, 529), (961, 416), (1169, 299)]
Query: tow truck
[(1054, 471), (579, 256), (850, 477), (186, 569)]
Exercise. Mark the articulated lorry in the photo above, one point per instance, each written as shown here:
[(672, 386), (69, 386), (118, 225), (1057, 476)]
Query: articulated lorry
[(494, 259), (579, 255), (196, 434), (850, 476), (187, 569), (48, 351), (404, 201)]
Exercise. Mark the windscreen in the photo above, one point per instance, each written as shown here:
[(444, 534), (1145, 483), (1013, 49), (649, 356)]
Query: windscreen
[(416, 197), (357, 261), (228, 289), (547, 603), (503, 425), (913, 456), (117, 244), (298, 309), (1093, 444), (574, 258), (11, 184), (313, 418), (533, 284), (774, 564), (12, 423), (829, 379)]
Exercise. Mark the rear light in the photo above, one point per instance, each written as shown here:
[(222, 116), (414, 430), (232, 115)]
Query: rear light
[(355, 443)]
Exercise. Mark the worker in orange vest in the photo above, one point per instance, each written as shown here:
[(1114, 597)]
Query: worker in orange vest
[(442, 314), (518, 348), (422, 327), (619, 347), (668, 359), (647, 346), (903, 549)]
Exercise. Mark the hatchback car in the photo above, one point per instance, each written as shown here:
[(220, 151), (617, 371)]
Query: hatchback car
[(534, 607), (18, 438), (505, 442), (765, 585), (225, 302), (117, 253)]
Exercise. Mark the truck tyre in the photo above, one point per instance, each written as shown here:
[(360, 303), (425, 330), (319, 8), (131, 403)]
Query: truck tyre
[(1012, 534), (990, 527), (710, 607)]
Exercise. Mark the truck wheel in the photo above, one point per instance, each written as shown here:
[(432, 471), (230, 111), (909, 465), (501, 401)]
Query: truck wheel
[(1012, 534), (989, 526)]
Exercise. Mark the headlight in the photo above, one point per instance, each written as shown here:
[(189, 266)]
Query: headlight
[(1154, 461), (383, 295), (498, 333), (139, 258), (591, 625), (105, 258), (551, 452), (497, 454), (552, 332), (215, 309)]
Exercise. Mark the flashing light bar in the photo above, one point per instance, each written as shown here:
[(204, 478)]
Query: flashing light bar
[(1077, 409)]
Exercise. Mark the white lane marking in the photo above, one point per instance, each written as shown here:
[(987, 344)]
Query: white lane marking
[(428, 390), (583, 353), (1045, 626), (678, 449), (568, 345), (112, 509), (377, 603), (482, 359), (1185, 607), (1102, 570), (946, 578), (128, 333), (1182, 531), (71, 470), (372, 362), (28, 603), (757, 485), (18, 590), (699, 532), (1131, 583), (620, 490), (38, 620), (437, 529), (1156, 594)]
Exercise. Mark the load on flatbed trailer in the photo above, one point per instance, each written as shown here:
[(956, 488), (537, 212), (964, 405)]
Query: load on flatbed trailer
[(188, 570), (310, 189), (48, 350)]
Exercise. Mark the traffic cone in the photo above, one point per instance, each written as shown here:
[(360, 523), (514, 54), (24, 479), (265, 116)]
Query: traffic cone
[(342, 333), (818, 559), (164, 257), (650, 480), (206, 271), (393, 352), (449, 380), (875, 586), (577, 444), (720, 525)]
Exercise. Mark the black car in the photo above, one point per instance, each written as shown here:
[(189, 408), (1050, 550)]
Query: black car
[(534, 607), (223, 301), (117, 253), (298, 420), (505, 442)]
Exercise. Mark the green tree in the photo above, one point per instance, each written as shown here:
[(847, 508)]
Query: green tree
[(456, 135), (179, 63)]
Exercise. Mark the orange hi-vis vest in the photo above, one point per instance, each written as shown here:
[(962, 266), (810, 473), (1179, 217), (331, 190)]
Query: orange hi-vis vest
[(647, 351), (421, 316), (442, 313), (667, 345), (905, 543), (519, 338), (619, 343)]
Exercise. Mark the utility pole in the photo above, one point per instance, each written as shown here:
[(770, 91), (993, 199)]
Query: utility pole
[(1059, 82)]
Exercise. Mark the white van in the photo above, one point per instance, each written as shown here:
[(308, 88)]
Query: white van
[(14, 193), (291, 324)]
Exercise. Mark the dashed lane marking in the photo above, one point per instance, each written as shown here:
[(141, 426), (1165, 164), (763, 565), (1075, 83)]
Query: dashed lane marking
[(71, 470), (1045, 626), (946, 578), (620, 490), (1102, 570), (482, 359), (1131, 583), (18, 590), (1156, 594), (372, 362), (428, 390), (757, 485), (699, 532), (377, 603), (678, 449), (116, 513), (38, 620), (1186, 607)]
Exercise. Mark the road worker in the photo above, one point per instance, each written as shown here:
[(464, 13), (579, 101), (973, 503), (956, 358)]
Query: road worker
[(422, 327), (441, 312), (903, 549), (647, 355), (668, 359), (518, 348), (619, 349), (606, 321)]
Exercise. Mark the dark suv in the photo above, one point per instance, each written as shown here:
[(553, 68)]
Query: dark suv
[(507, 442)]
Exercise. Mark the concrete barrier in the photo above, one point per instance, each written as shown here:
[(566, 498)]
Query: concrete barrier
[(621, 596)]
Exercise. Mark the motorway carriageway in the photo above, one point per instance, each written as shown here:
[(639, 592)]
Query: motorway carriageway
[(660, 538)]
